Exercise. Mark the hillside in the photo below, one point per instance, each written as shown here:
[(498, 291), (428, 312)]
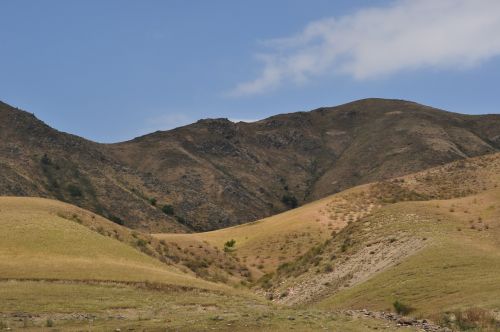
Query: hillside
[(216, 173), (36, 160), (428, 240), (64, 268)]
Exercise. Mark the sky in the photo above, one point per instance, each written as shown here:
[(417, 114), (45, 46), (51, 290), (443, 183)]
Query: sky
[(111, 70)]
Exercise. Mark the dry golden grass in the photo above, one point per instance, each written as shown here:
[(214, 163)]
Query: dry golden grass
[(37, 242), (265, 244), (459, 268)]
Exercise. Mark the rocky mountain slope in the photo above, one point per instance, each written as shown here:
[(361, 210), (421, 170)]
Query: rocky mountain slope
[(220, 173), (216, 173), (36, 160)]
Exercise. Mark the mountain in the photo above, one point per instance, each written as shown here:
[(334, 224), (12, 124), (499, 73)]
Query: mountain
[(220, 173), (36, 160), (216, 173)]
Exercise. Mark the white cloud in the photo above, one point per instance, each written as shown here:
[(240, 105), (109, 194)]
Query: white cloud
[(374, 42)]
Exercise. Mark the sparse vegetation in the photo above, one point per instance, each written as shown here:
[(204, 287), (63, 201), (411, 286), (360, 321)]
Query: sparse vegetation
[(168, 209), (229, 245), (116, 219), (74, 190), (289, 200), (401, 308)]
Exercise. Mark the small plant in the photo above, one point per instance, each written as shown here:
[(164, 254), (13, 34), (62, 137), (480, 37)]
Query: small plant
[(141, 243), (168, 209), (401, 308), (229, 245), (49, 323), (152, 201), (116, 220)]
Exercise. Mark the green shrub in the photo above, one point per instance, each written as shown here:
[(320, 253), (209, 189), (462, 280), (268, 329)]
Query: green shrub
[(49, 323), (152, 201), (141, 242), (168, 209), (229, 245), (401, 308), (289, 200), (74, 191), (116, 220)]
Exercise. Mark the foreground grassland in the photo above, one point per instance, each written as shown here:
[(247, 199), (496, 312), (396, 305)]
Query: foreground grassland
[(30, 305), (58, 274)]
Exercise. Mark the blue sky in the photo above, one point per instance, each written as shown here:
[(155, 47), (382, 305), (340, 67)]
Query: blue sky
[(110, 70)]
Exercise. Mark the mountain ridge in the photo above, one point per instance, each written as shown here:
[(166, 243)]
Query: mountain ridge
[(216, 173)]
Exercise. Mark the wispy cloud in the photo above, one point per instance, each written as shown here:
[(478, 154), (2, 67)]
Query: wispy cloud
[(375, 42)]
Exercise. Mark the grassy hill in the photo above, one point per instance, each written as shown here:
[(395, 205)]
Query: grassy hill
[(265, 244), (37, 241), (64, 268), (429, 240)]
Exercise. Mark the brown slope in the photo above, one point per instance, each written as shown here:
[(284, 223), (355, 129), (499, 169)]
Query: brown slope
[(36, 160), (218, 173)]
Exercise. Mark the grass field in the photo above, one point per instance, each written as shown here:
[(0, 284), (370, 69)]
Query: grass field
[(37, 243), (107, 307), (60, 273)]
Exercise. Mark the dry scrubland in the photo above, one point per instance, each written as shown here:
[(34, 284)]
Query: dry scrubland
[(430, 241)]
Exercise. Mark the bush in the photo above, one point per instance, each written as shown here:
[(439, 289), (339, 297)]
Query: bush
[(401, 308), (229, 245), (116, 220), (74, 191), (45, 160), (49, 322), (289, 200), (152, 201), (328, 268), (168, 209)]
